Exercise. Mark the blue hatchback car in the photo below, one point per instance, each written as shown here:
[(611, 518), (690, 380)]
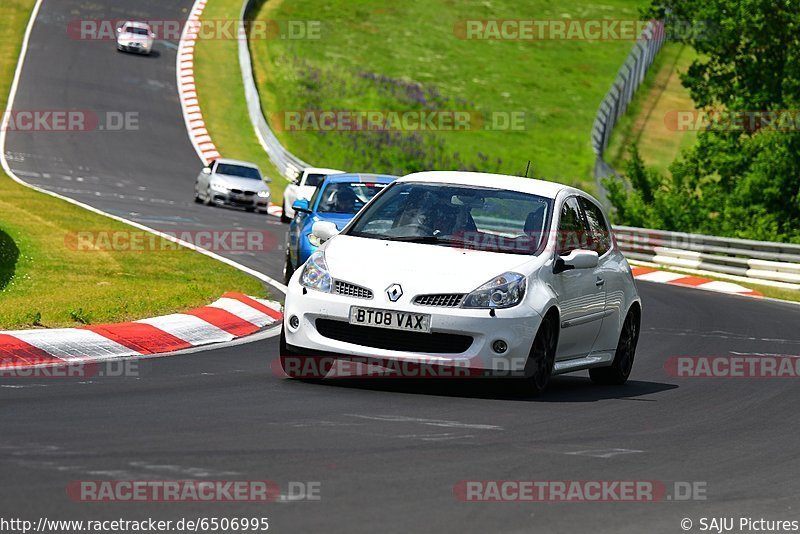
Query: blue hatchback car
[(337, 199)]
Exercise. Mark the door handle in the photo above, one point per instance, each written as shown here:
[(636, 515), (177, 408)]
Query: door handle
[(599, 282)]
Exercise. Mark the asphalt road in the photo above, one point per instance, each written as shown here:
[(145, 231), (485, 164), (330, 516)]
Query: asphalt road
[(387, 454), (144, 172)]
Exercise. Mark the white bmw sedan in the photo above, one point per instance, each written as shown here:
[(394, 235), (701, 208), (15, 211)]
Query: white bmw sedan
[(496, 274), (136, 37)]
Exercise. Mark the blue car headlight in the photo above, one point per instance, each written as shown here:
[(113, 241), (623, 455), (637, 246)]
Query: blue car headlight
[(314, 240), (502, 291), (315, 273)]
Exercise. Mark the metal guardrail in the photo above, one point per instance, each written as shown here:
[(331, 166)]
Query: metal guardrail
[(615, 103), (757, 260), (287, 163)]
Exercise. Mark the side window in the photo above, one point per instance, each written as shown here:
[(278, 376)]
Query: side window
[(571, 229), (600, 234)]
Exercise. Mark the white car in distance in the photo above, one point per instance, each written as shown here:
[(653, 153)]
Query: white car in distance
[(303, 186), (496, 274), (136, 37)]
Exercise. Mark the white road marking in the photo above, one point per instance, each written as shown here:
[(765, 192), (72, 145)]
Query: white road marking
[(604, 453), (428, 422)]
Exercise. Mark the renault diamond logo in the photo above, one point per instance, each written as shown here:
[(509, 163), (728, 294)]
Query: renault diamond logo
[(394, 292)]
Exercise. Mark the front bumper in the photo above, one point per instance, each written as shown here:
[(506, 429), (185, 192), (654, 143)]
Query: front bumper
[(133, 48), (240, 200), (515, 326)]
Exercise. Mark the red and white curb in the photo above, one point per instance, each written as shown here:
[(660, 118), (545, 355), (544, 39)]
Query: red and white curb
[(232, 316), (649, 274), (187, 89)]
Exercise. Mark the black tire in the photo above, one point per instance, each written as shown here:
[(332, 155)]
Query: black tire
[(542, 357), (284, 218), (250, 210), (208, 201), (294, 365), (197, 198), (288, 269), (620, 369)]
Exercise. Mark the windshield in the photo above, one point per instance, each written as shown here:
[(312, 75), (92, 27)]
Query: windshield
[(347, 197), (314, 180), (136, 31), (238, 170), (478, 218)]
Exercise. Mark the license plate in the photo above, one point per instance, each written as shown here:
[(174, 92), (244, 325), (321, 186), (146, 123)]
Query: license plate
[(396, 320)]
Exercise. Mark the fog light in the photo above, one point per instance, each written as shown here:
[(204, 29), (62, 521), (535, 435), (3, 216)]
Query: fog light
[(294, 322), (499, 346)]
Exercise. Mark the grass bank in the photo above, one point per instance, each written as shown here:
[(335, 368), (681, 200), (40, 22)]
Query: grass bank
[(649, 120), (370, 57), (46, 281)]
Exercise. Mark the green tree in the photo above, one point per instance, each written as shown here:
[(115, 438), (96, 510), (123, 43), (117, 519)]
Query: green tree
[(743, 183)]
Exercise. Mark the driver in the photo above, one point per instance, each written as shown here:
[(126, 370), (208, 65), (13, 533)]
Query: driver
[(345, 201)]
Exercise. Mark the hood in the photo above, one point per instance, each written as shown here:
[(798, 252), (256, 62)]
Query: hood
[(245, 184), (339, 219), (418, 268), (134, 38)]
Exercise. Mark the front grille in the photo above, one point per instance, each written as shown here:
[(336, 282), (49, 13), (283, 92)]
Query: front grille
[(351, 290), (385, 338), (444, 300), (245, 193)]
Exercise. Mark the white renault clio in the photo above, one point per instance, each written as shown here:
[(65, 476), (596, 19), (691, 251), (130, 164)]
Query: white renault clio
[(498, 274)]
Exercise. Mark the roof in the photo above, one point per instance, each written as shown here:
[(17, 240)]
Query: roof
[(321, 170), (361, 177), (137, 24), (236, 162), (499, 181)]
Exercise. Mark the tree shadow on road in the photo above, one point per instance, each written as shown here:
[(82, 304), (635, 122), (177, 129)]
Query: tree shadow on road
[(561, 388), (9, 254)]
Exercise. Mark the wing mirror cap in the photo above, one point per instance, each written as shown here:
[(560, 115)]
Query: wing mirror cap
[(577, 259), (324, 230), (206, 170), (301, 204)]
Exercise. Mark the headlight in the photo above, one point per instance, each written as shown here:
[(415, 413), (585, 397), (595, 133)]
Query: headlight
[(314, 240), (263, 194), (315, 273), (216, 186), (501, 291)]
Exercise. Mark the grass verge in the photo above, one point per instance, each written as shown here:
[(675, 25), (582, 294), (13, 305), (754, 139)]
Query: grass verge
[(46, 282), (220, 90), (649, 119)]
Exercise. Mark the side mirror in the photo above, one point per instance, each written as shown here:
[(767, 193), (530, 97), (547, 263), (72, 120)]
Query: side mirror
[(301, 205), (119, 30), (577, 259), (324, 230), (152, 35), (206, 170)]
